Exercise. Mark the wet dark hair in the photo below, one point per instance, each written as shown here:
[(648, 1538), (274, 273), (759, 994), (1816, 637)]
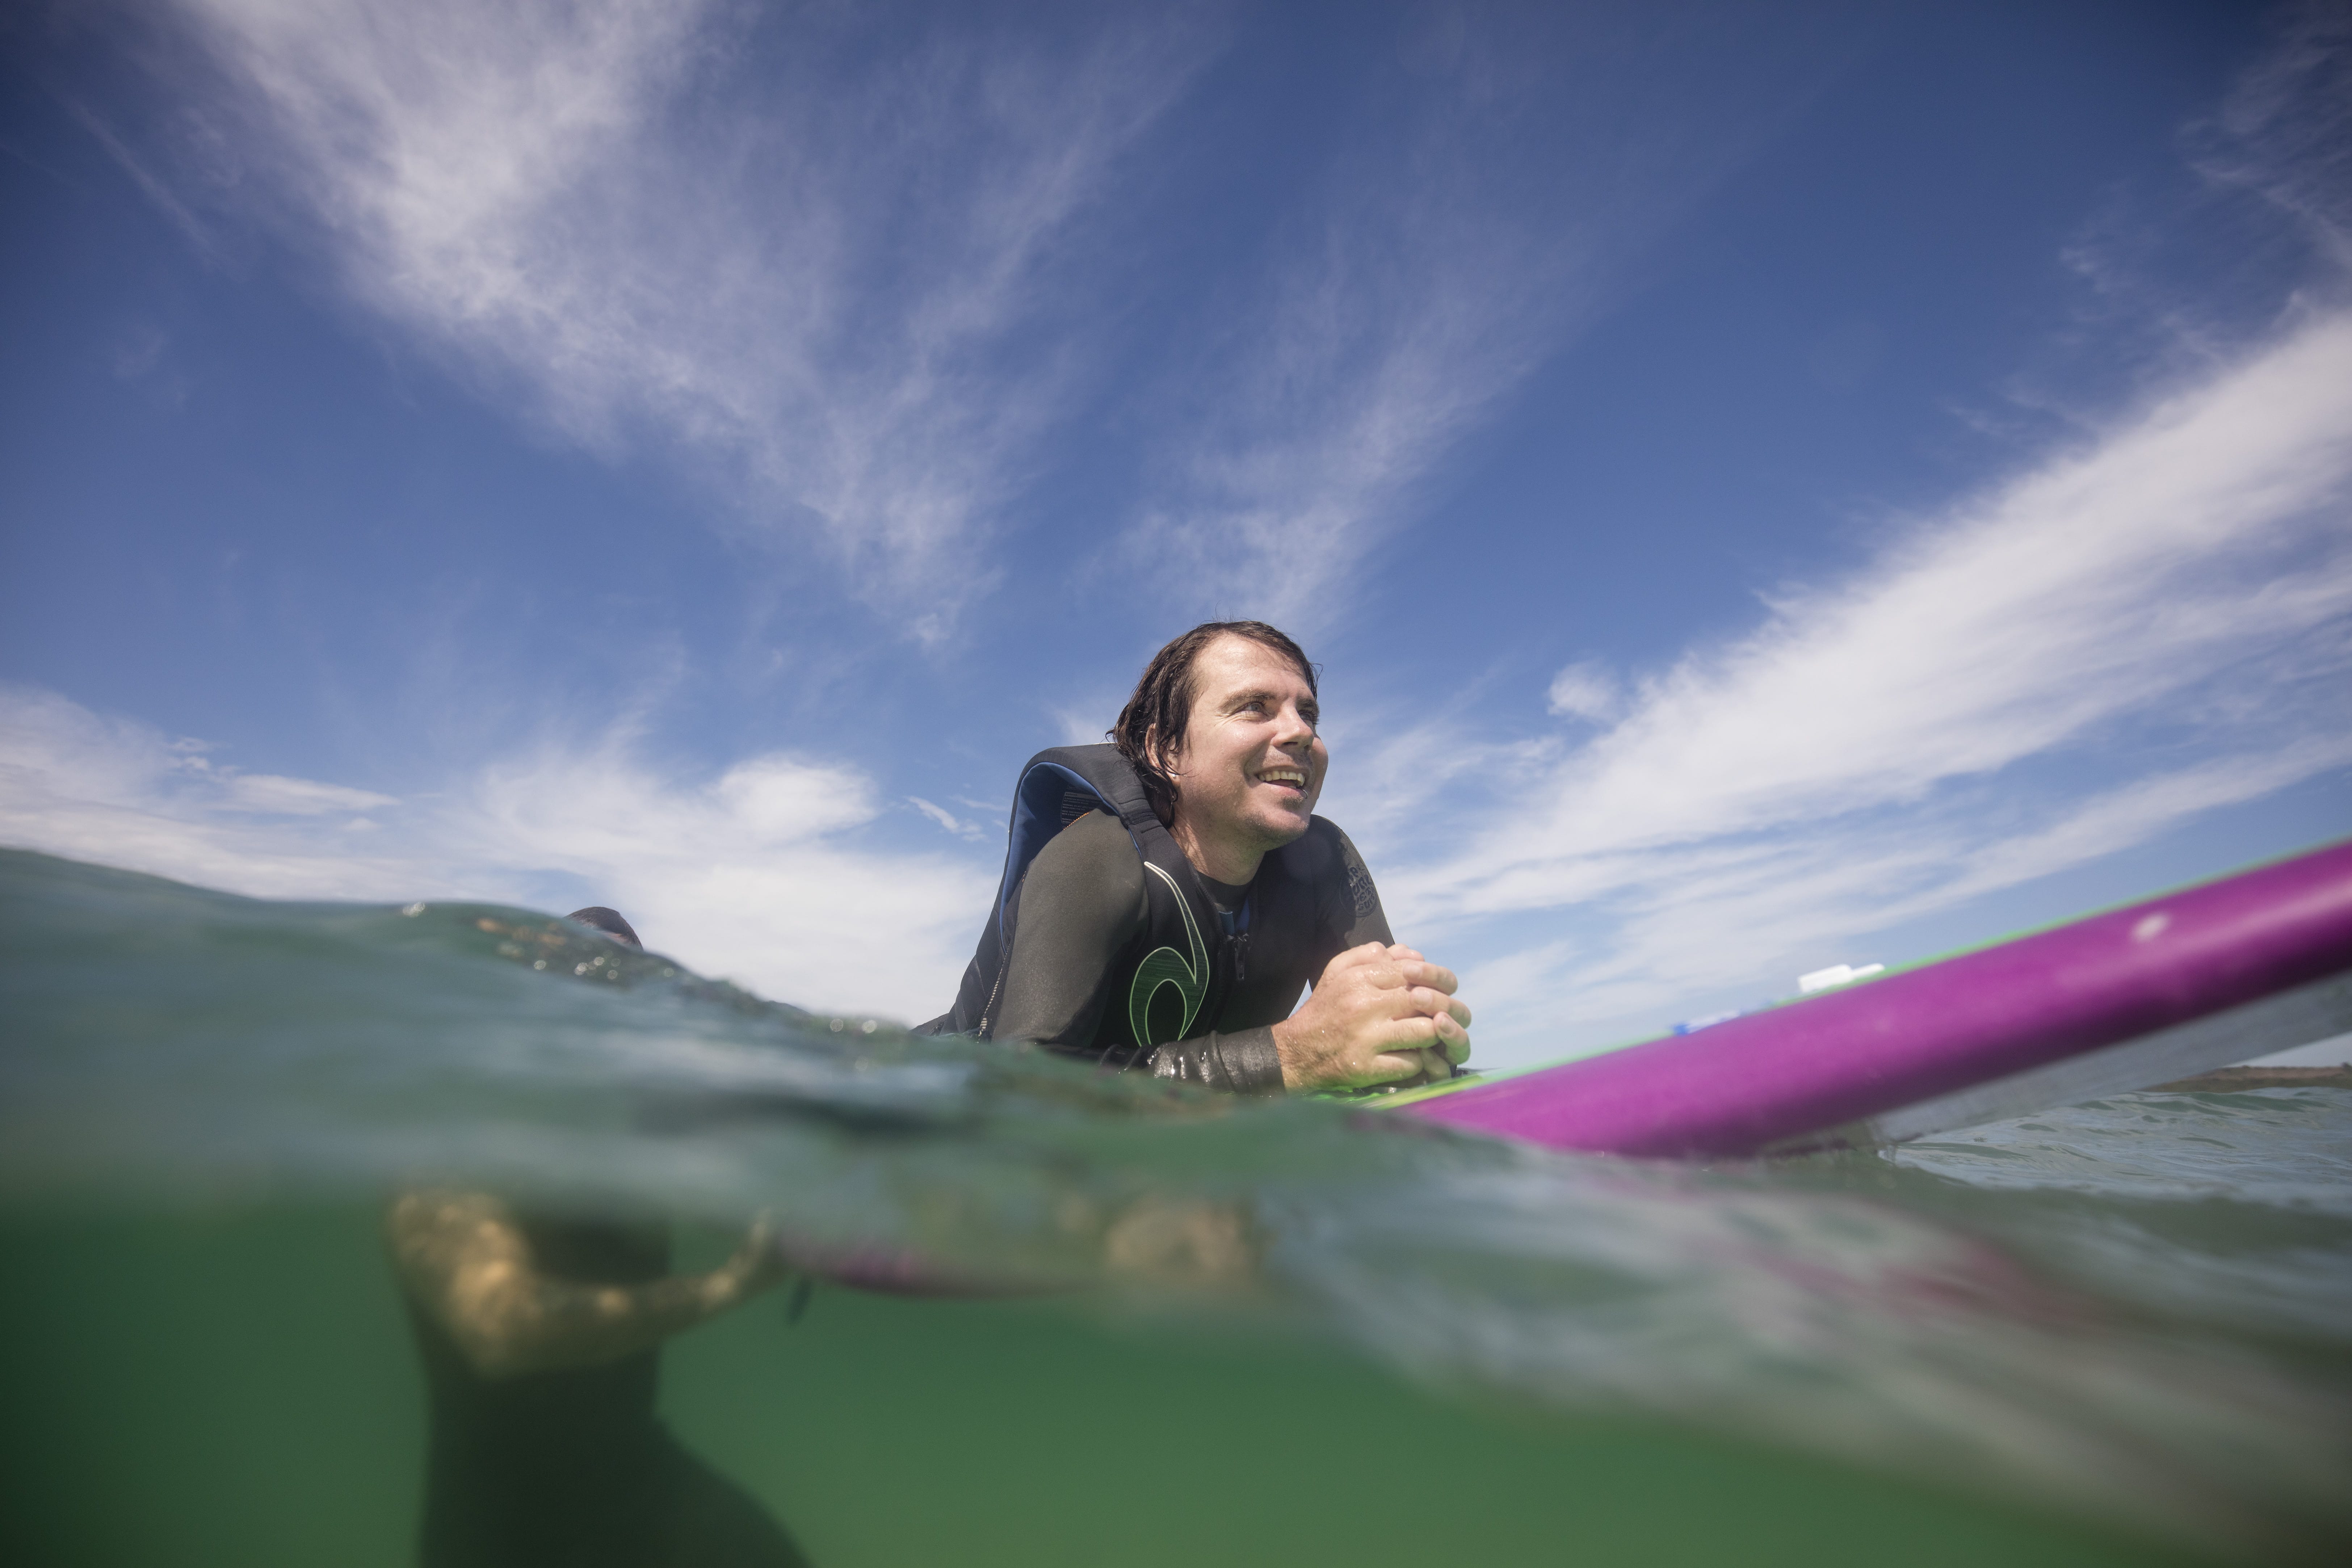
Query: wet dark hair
[(1162, 704)]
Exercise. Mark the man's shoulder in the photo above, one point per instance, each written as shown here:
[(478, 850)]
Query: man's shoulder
[(1316, 852), (1096, 846)]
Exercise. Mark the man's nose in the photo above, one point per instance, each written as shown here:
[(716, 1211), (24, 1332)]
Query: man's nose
[(1296, 733)]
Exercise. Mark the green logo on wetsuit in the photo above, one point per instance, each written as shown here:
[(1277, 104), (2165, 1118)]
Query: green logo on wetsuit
[(1166, 966)]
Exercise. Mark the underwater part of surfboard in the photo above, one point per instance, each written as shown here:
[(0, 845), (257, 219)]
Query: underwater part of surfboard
[(2253, 963)]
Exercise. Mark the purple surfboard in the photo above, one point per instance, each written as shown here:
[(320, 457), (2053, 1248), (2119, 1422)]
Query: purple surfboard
[(2233, 969)]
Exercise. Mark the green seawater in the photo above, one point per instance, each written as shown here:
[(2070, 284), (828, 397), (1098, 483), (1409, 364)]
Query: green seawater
[(1298, 1332)]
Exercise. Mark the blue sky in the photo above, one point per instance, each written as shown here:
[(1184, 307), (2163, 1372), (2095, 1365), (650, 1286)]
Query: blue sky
[(1769, 485)]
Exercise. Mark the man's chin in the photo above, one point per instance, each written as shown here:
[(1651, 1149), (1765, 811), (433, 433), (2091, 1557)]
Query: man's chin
[(1274, 832)]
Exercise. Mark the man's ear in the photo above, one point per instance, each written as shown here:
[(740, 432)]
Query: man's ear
[(1162, 797)]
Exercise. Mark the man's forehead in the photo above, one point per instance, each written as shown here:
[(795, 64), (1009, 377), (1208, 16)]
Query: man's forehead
[(1226, 676), (1233, 664)]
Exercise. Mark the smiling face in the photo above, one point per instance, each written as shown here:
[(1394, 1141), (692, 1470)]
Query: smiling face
[(1251, 765)]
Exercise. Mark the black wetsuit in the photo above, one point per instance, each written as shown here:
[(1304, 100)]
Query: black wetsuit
[(572, 1468), (1082, 911)]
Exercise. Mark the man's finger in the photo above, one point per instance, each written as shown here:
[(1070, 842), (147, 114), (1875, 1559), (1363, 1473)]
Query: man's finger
[(1435, 1067), (1435, 1004), (1420, 999), (1424, 1031), (1390, 1066), (1436, 976), (1438, 1004), (1454, 1041), (1410, 1031)]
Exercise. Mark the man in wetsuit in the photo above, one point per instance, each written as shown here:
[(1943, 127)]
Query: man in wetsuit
[(539, 1335), (1171, 919)]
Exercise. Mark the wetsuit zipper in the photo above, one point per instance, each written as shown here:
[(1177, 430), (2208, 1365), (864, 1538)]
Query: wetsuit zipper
[(991, 1005), (1235, 925)]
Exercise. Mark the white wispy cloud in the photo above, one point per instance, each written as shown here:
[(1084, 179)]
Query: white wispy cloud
[(1382, 345), (948, 819), (2285, 131), (2166, 610), (276, 795), (155, 190), (837, 280), (760, 874), (846, 260), (1083, 725), (1441, 262), (1586, 690), (116, 790)]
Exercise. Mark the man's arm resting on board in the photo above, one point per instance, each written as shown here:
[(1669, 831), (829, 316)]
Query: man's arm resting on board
[(466, 1259), (1246, 1061)]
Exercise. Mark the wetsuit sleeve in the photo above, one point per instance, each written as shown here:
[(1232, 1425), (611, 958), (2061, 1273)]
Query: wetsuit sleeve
[(1082, 903), (1242, 1062), (1347, 906)]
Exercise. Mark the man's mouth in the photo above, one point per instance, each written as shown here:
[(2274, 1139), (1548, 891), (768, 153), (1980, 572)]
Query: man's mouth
[(1294, 777)]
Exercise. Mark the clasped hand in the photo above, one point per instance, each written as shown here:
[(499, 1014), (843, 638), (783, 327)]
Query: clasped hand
[(1379, 1015)]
